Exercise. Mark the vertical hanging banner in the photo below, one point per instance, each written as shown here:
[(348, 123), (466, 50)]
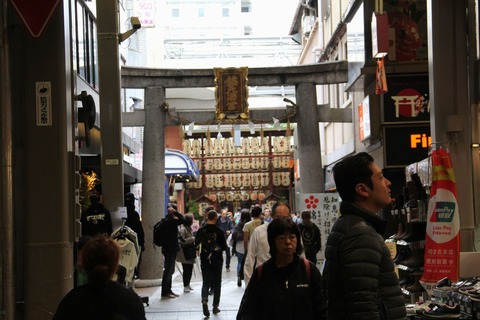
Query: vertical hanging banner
[(381, 78), (325, 209), (442, 241)]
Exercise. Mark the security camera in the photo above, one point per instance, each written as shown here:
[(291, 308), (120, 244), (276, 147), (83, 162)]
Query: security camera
[(135, 26), (135, 23)]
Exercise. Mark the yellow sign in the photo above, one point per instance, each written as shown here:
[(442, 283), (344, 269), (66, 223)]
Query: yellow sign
[(231, 94), (418, 140)]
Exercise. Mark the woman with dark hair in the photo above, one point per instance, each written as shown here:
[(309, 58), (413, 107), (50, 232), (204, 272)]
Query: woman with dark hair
[(286, 286), (187, 239), (310, 236), (101, 297)]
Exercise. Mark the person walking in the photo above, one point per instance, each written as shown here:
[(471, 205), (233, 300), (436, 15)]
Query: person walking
[(206, 210), (226, 224), (101, 297), (187, 239), (360, 276), (258, 247), (256, 213), (238, 247), (286, 286), (310, 233), (173, 219), (96, 219), (211, 242), (133, 221), (267, 215)]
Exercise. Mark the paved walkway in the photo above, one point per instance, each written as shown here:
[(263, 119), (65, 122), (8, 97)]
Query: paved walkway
[(188, 305)]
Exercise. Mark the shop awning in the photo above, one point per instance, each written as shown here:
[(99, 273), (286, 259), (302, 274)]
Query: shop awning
[(180, 166)]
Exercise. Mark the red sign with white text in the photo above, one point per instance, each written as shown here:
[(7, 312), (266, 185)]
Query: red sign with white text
[(442, 241)]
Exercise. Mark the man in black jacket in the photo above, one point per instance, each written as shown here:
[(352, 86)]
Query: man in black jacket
[(96, 219), (172, 220), (359, 272), (211, 242)]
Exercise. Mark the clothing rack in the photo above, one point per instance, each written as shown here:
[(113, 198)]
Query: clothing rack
[(129, 255)]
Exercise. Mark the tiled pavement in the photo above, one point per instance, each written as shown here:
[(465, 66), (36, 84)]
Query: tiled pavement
[(188, 305)]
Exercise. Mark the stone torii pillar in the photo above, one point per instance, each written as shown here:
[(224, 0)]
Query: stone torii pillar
[(153, 195), (309, 150)]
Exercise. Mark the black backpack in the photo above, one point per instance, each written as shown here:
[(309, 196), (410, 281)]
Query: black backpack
[(159, 233)]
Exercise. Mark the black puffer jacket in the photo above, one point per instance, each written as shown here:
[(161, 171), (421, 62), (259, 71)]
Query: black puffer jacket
[(288, 293), (359, 271)]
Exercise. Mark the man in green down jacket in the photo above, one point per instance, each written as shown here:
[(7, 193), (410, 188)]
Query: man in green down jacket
[(360, 279)]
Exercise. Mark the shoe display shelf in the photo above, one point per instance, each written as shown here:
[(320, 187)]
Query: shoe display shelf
[(434, 310), (460, 300), (409, 260), (466, 294), (410, 213)]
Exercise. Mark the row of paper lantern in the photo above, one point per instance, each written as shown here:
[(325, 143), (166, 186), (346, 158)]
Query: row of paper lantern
[(225, 146), (246, 180), (245, 163), (236, 196)]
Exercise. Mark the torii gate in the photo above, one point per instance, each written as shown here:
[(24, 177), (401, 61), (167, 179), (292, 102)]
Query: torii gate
[(155, 117)]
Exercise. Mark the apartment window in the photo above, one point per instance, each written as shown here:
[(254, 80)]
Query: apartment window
[(225, 12), (175, 13), (201, 12), (246, 6), (85, 45)]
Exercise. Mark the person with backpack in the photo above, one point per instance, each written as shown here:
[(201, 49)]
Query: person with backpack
[(211, 243), (286, 286), (310, 236), (169, 229)]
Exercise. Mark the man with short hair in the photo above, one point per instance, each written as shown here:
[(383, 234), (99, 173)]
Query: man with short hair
[(205, 212), (258, 248), (251, 225), (267, 215), (172, 220), (360, 276), (96, 219), (225, 223), (211, 243)]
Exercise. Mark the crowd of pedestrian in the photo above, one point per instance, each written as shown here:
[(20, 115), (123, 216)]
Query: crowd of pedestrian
[(276, 255)]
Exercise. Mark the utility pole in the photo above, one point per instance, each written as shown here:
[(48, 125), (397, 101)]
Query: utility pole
[(110, 104)]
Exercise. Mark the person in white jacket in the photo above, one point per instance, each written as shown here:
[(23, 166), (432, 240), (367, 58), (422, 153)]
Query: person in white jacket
[(258, 248)]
